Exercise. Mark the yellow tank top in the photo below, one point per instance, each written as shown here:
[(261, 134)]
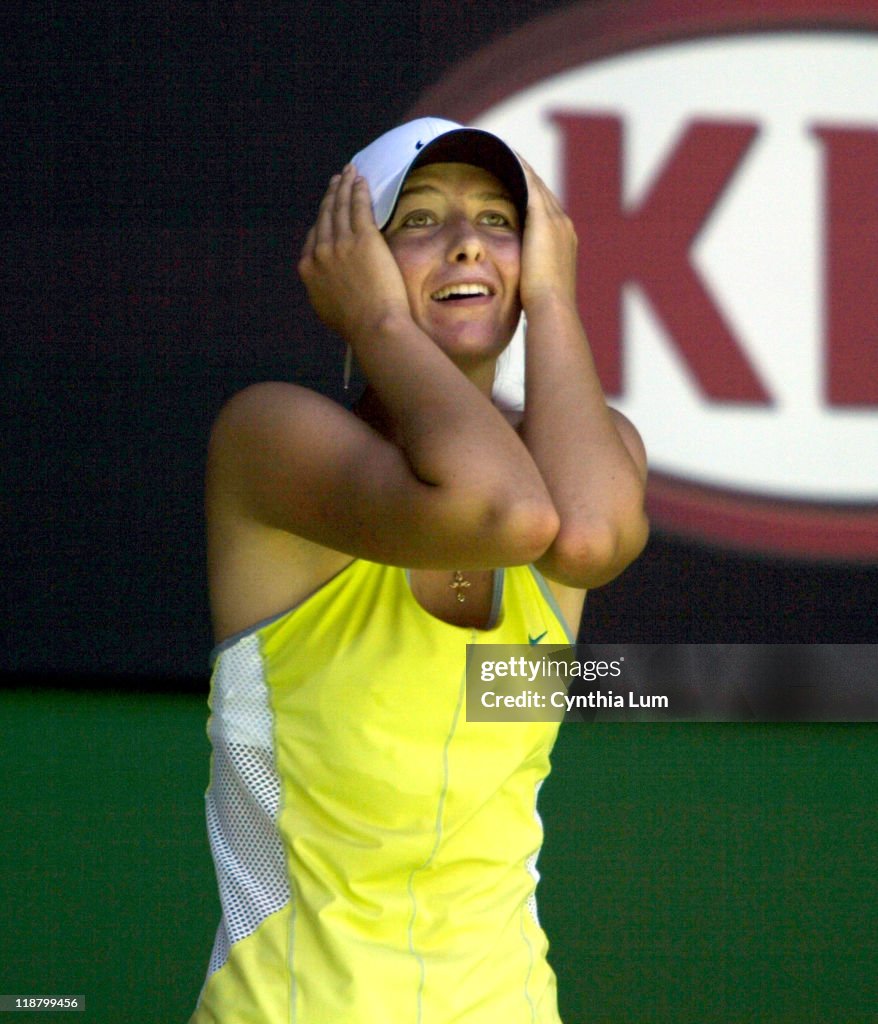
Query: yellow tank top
[(375, 851)]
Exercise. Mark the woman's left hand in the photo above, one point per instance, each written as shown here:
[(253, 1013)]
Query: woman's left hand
[(548, 252)]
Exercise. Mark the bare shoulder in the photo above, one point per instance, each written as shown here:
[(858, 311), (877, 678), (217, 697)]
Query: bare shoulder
[(257, 570), (263, 413), (274, 446)]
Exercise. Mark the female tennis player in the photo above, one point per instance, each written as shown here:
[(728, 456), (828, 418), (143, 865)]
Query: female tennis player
[(375, 851)]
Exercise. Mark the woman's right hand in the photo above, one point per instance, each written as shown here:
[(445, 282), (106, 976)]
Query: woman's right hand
[(351, 277)]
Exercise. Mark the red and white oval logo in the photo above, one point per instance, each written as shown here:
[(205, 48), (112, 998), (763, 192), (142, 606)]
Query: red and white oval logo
[(721, 168)]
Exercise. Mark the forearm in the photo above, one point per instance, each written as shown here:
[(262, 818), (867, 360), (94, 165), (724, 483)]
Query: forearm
[(596, 480), (450, 434)]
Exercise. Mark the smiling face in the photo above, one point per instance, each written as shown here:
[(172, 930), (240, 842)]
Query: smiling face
[(456, 238)]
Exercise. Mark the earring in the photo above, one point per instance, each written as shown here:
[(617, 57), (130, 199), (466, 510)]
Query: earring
[(348, 365)]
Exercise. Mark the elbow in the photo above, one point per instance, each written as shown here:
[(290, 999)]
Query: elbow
[(592, 553), (523, 530)]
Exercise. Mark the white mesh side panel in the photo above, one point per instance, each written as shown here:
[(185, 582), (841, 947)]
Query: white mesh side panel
[(243, 800), (531, 863)]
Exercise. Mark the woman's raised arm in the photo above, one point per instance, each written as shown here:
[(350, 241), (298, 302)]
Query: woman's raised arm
[(590, 457)]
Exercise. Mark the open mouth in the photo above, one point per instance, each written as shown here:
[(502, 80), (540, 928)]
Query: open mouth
[(458, 292)]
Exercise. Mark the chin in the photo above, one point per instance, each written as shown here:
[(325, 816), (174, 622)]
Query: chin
[(472, 346), (468, 358)]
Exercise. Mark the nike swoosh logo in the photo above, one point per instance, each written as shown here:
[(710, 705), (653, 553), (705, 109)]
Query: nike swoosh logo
[(536, 639)]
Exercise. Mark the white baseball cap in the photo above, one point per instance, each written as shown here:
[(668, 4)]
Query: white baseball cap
[(386, 162)]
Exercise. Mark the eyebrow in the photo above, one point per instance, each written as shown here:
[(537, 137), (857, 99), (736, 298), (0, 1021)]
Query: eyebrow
[(482, 197)]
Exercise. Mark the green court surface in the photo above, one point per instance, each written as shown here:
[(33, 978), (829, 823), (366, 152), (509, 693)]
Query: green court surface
[(691, 873)]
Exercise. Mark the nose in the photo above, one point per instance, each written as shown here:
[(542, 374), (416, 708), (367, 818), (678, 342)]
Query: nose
[(465, 245)]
